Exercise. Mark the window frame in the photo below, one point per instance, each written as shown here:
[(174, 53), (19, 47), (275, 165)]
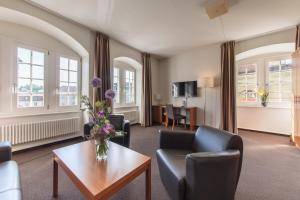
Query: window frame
[(266, 65), (245, 62), (27, 110), (118, 93), (57, 93), (262, 76), (122, 81)]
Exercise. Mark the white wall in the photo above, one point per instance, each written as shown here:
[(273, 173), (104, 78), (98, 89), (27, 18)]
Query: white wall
[(156, 83), (284, 36), (189, 66), (274, 120)]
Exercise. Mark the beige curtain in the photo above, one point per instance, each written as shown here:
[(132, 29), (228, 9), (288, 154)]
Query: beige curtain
[(147, 90), (102, 65), (228, 95), (296, 91)]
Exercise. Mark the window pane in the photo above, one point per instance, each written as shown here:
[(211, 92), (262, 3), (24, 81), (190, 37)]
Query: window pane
[(73, 77), (37, 86), (37, 72), (63, 87), (274, 97), (116, 85), (241, 70), (24, 70), (63, 100), (247, 82), (24, 55), (274, 66), (73, 87), (23, 100), (280, 80), (63, 75), (72, 100), (38, 100), (73, 65), (24, 85), (37, 58), (63, 63)]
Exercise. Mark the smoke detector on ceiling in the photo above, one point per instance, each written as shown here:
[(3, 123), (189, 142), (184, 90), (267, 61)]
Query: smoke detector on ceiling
[(216, 8)]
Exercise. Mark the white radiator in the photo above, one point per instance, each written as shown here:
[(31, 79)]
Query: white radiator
[(34, 131)]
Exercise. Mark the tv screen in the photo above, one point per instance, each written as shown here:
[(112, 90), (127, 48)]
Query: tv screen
[(182, 89), (191, 88)]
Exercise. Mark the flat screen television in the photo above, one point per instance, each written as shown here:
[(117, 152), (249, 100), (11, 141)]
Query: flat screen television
[(182, 89)]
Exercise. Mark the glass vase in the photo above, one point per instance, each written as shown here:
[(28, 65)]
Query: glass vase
[(102, 147)]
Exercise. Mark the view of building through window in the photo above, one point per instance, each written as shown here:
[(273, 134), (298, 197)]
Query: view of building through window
[(30, 78), (280, 80)]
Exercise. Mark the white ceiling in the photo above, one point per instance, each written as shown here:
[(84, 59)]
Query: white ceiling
[(169, 27)]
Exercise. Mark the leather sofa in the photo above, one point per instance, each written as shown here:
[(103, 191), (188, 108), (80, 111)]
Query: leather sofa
[(10, 184), (205, 165), (120, 124)]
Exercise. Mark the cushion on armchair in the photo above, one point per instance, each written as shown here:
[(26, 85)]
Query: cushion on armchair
[(172, 169)]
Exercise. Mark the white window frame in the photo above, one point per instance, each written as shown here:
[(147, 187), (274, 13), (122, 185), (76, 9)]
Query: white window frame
[(245, 62), (134, 86), (118, 92), (29, 110), (122, 79), (266, 65), (68, 107), (262, 77)]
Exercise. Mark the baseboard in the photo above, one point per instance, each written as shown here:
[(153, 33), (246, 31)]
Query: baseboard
[(266, 132), (38, 144)]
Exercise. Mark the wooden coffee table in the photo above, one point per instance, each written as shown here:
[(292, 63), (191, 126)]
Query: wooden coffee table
[(100, 179)]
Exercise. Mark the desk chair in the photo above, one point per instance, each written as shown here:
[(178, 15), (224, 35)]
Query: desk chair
[(174, 116)]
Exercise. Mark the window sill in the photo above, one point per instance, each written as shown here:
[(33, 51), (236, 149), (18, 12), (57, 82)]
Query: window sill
[(121, 109), (269, 106)]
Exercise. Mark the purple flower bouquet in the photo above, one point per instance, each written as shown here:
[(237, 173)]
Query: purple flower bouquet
[(102, 129)]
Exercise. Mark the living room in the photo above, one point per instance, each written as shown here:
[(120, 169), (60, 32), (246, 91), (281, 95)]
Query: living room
[(149, 99)]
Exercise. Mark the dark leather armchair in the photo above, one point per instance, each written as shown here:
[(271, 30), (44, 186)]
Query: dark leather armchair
[(201, 166), (120, 124), (10, 184)]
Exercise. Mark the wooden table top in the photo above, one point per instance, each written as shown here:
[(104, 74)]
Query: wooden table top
[(99, 179)]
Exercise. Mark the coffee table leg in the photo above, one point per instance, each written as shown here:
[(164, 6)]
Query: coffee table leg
[(55, 178), (148, 182)]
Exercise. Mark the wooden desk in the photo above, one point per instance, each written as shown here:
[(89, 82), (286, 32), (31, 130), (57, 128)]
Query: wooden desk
[(159, 115), (100, 179)]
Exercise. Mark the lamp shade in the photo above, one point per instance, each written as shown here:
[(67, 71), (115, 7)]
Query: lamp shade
[(206, 82)]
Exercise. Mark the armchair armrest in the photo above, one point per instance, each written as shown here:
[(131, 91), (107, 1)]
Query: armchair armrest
[(126, 126), (5, 151), (176, 139), (87, 129), (126, 129), (211, 175)]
